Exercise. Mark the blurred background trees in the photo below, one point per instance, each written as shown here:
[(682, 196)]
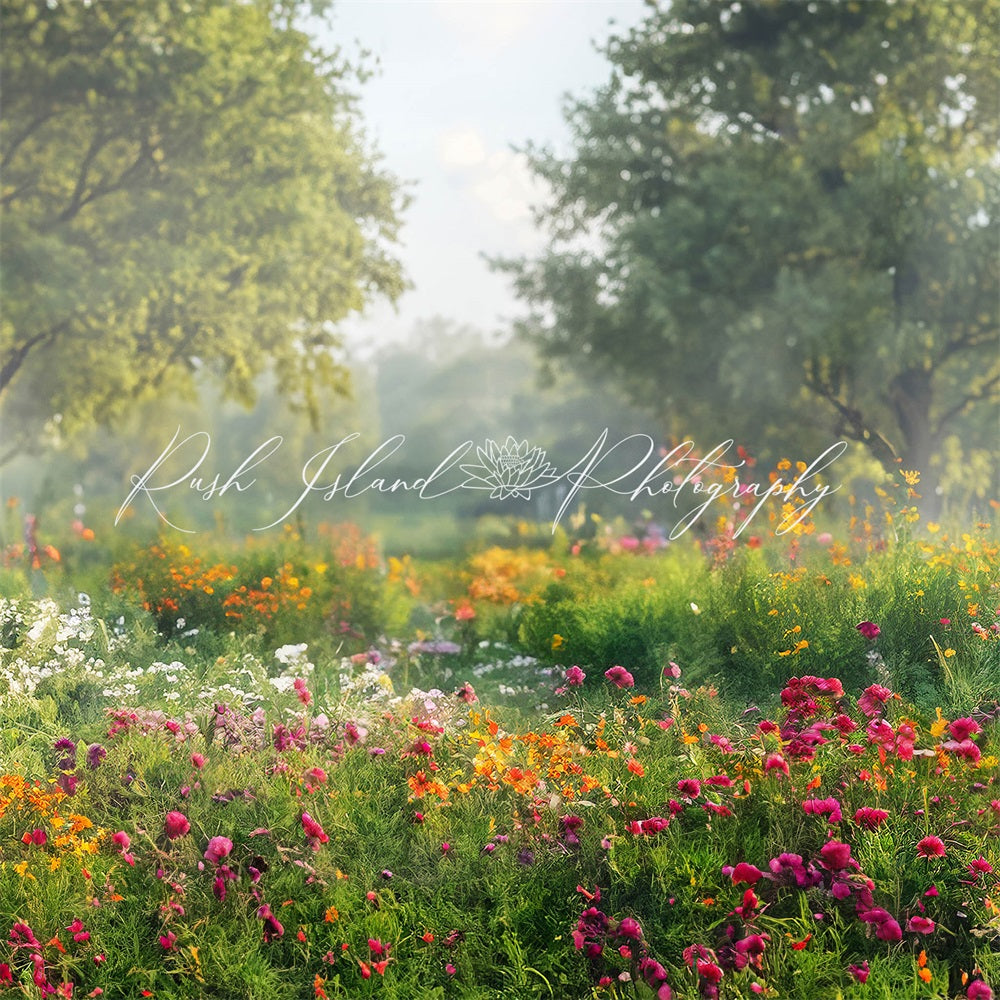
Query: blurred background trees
[(185, 190), (782, 217), (777, 222)]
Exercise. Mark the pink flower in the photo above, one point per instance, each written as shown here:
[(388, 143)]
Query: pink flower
[(930, 847), (978, 990), (672, 670), (980, 867), (620, 677), (859, 972), (886, 926), (167, 940), (302, 691), (467, 694), (824, 807), (218, 848), (575, 677), (176, 825), (198, 760), (272, 926), (869, 630), (836, 856), (869, 817), (873, 699), (962, 729), (314, 831), (920, 925), (121, 839), (775, 762)]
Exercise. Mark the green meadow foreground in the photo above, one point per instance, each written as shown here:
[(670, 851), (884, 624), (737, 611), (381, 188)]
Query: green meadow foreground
[(598, 766)]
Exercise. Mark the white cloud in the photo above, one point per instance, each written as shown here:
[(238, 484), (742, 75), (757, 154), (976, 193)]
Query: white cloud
[(492, 24), (507, 187), (461, 148)]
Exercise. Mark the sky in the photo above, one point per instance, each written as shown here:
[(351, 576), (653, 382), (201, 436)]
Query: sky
[(459, 85)]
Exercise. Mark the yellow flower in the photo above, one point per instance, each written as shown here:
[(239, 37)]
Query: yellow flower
[(949, 652), (557, 642)]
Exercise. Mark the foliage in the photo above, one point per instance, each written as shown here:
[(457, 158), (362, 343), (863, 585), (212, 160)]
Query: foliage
[(344, 840), (808, 193), (185, 189)]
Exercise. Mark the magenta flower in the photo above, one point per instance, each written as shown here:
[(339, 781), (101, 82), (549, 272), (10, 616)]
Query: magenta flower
[(930, 847), (313, 830), (920, 925), (168, 940), (869, 817), (860, 972), (629, 928), (873, 700), (121, 839), (691, 787), (620, 677), (176, 825), (218, 848), (869, 630), (198, 760), (886, 926), (978, 990), (824, 807), (575, 677), (272, 926), (980, 867), (744, 872), (962, 729), (836, 856)]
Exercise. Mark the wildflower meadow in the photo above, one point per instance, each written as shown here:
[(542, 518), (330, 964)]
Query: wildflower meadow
[(589, 763)]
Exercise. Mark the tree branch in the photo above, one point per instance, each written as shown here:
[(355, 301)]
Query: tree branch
[(983, 392), (17, 357), (855, 425)]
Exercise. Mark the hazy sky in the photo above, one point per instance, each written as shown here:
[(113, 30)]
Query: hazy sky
[(460, 84)]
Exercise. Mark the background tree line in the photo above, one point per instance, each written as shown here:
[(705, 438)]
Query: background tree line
[(778, 220)]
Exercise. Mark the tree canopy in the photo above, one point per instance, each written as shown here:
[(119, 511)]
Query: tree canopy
[(780, 220), (185, 189)]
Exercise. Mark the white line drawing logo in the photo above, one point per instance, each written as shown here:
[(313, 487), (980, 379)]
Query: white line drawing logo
[(509, 470)]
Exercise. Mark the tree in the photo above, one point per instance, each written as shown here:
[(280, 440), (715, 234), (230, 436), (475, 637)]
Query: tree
[(794, 208), (185, 190)]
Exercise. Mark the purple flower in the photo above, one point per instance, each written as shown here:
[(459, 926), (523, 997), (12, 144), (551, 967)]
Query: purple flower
[(95, 754)]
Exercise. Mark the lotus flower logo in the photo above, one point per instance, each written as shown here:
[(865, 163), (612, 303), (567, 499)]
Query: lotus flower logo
[(509, 470)]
